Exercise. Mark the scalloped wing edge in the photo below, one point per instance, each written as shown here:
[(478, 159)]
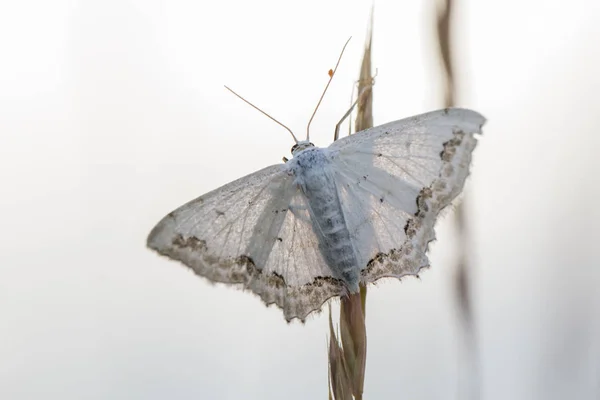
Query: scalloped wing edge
[(295, 301), (411, 256)]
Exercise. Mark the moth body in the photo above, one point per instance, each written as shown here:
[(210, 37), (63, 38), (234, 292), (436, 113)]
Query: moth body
[(314, 175)]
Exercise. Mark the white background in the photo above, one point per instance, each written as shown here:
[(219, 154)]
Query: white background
[(113, 113)]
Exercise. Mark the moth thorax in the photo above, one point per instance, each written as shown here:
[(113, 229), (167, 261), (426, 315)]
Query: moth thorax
[(301, 145)]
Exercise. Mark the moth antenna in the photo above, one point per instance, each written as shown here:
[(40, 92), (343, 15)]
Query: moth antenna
[(331, 74), (273, 119)]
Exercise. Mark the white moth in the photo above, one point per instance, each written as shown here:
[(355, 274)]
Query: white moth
[(329, 219)]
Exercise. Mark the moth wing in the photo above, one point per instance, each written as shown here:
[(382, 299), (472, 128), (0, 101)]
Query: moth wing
[(394, 179), (256, 233)]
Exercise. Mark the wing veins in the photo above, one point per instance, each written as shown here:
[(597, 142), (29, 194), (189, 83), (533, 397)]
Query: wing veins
[(363, 206), (433, 173), (195, 214), (409, 158), (372, 183), (229, 224), (246, 210), (225, 241), (405, 171), (413, 156)]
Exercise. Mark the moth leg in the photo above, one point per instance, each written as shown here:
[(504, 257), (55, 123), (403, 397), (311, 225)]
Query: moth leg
[(358, 98), (337, 126)]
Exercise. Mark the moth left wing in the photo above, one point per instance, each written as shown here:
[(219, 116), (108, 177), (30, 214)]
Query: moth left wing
[(256, 233)]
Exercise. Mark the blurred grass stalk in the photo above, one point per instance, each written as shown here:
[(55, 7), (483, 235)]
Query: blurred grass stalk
[(469, 384), (348, 350)]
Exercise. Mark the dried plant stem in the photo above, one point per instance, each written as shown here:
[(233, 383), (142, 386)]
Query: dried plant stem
[(364, 118), (348, 350), (463, 270)]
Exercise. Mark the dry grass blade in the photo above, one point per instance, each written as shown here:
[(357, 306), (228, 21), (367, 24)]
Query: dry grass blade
[(463, 271), (348, 354), (443, 31), (364, 118), (353, 333), (339, 377)]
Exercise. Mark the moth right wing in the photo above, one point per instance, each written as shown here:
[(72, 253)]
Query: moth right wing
[(254, 232), (394, 179)]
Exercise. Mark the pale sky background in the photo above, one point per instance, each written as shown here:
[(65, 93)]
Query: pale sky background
[(113, 113)]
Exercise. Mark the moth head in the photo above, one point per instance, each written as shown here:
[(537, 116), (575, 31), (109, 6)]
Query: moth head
[(301, 145)]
